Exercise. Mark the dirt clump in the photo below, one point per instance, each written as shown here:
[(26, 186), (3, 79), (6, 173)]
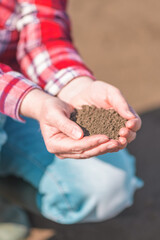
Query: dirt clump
[(95, 120)]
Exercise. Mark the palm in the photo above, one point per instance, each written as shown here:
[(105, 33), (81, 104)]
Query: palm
[(99, 94), (64, 146), (104, 95)]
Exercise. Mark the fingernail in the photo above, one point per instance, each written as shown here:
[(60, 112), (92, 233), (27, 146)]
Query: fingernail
[(123, 141), (130, 114), (77, 134)]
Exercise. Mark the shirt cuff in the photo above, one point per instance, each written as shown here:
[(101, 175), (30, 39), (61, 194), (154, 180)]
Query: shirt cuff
[(16, 86), (64, 76)]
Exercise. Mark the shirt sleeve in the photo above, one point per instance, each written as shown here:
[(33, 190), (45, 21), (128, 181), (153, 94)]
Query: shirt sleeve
[(46, 53), (13, 87)]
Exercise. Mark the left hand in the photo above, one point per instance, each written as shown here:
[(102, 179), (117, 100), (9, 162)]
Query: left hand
[(62, 137), (85, 91)]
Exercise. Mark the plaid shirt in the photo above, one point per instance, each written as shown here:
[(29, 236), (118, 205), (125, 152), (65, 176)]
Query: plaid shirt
[(35, 40)]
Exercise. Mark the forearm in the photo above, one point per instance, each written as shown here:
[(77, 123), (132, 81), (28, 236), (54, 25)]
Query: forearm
[(31, 105), (73, 88)]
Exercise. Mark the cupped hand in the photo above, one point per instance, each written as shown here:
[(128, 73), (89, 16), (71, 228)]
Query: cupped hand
[(64, 137), (86, 91)]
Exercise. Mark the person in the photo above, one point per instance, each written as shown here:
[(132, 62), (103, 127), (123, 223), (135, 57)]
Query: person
[(42, 79)]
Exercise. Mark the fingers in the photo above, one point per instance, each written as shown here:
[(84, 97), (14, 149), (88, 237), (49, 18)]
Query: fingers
[(60, 143), (128, 134), (56, 114), (111, 146), (65, 147), (109, 96), (122, 142), (134, 124), (119, 103), (68, 127)]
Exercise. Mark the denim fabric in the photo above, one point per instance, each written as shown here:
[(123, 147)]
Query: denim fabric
[(3, 135), (69, 191)]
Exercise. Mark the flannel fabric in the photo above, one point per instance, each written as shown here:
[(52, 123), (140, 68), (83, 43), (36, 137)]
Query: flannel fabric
[(35, 40)]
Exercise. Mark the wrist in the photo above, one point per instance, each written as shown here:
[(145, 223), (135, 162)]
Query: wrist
[(74, 87), (32, 103)]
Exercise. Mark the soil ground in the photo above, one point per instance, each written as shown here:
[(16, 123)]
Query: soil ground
[(120, 42)]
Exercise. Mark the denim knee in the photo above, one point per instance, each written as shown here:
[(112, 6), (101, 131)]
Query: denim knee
[(115, 189), (89, 190)]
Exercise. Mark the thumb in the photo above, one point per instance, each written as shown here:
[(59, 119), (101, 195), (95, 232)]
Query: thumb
[(121, 106), (67, 126)]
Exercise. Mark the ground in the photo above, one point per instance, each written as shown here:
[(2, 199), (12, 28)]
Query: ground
[(120, 41)]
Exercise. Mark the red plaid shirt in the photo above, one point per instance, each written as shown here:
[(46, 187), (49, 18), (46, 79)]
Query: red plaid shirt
[(35, 40)]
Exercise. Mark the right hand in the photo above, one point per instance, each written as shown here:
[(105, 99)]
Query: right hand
[(64, 137), (85, 91)]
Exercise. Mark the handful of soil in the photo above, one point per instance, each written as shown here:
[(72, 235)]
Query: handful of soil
[(95, 120)]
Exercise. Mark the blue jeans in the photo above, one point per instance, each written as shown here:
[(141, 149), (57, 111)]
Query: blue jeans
[(68, 191)]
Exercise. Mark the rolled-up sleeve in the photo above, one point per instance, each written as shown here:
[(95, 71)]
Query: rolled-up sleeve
[(46, 53), (13, 87)]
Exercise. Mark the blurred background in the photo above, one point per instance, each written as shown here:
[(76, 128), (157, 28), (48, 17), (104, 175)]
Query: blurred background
[(120, 42)]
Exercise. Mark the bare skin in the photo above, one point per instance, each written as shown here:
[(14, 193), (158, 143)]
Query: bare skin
[(84, 90), (62, 136)]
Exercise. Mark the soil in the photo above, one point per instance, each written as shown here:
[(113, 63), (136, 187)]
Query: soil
[(95, 120)]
